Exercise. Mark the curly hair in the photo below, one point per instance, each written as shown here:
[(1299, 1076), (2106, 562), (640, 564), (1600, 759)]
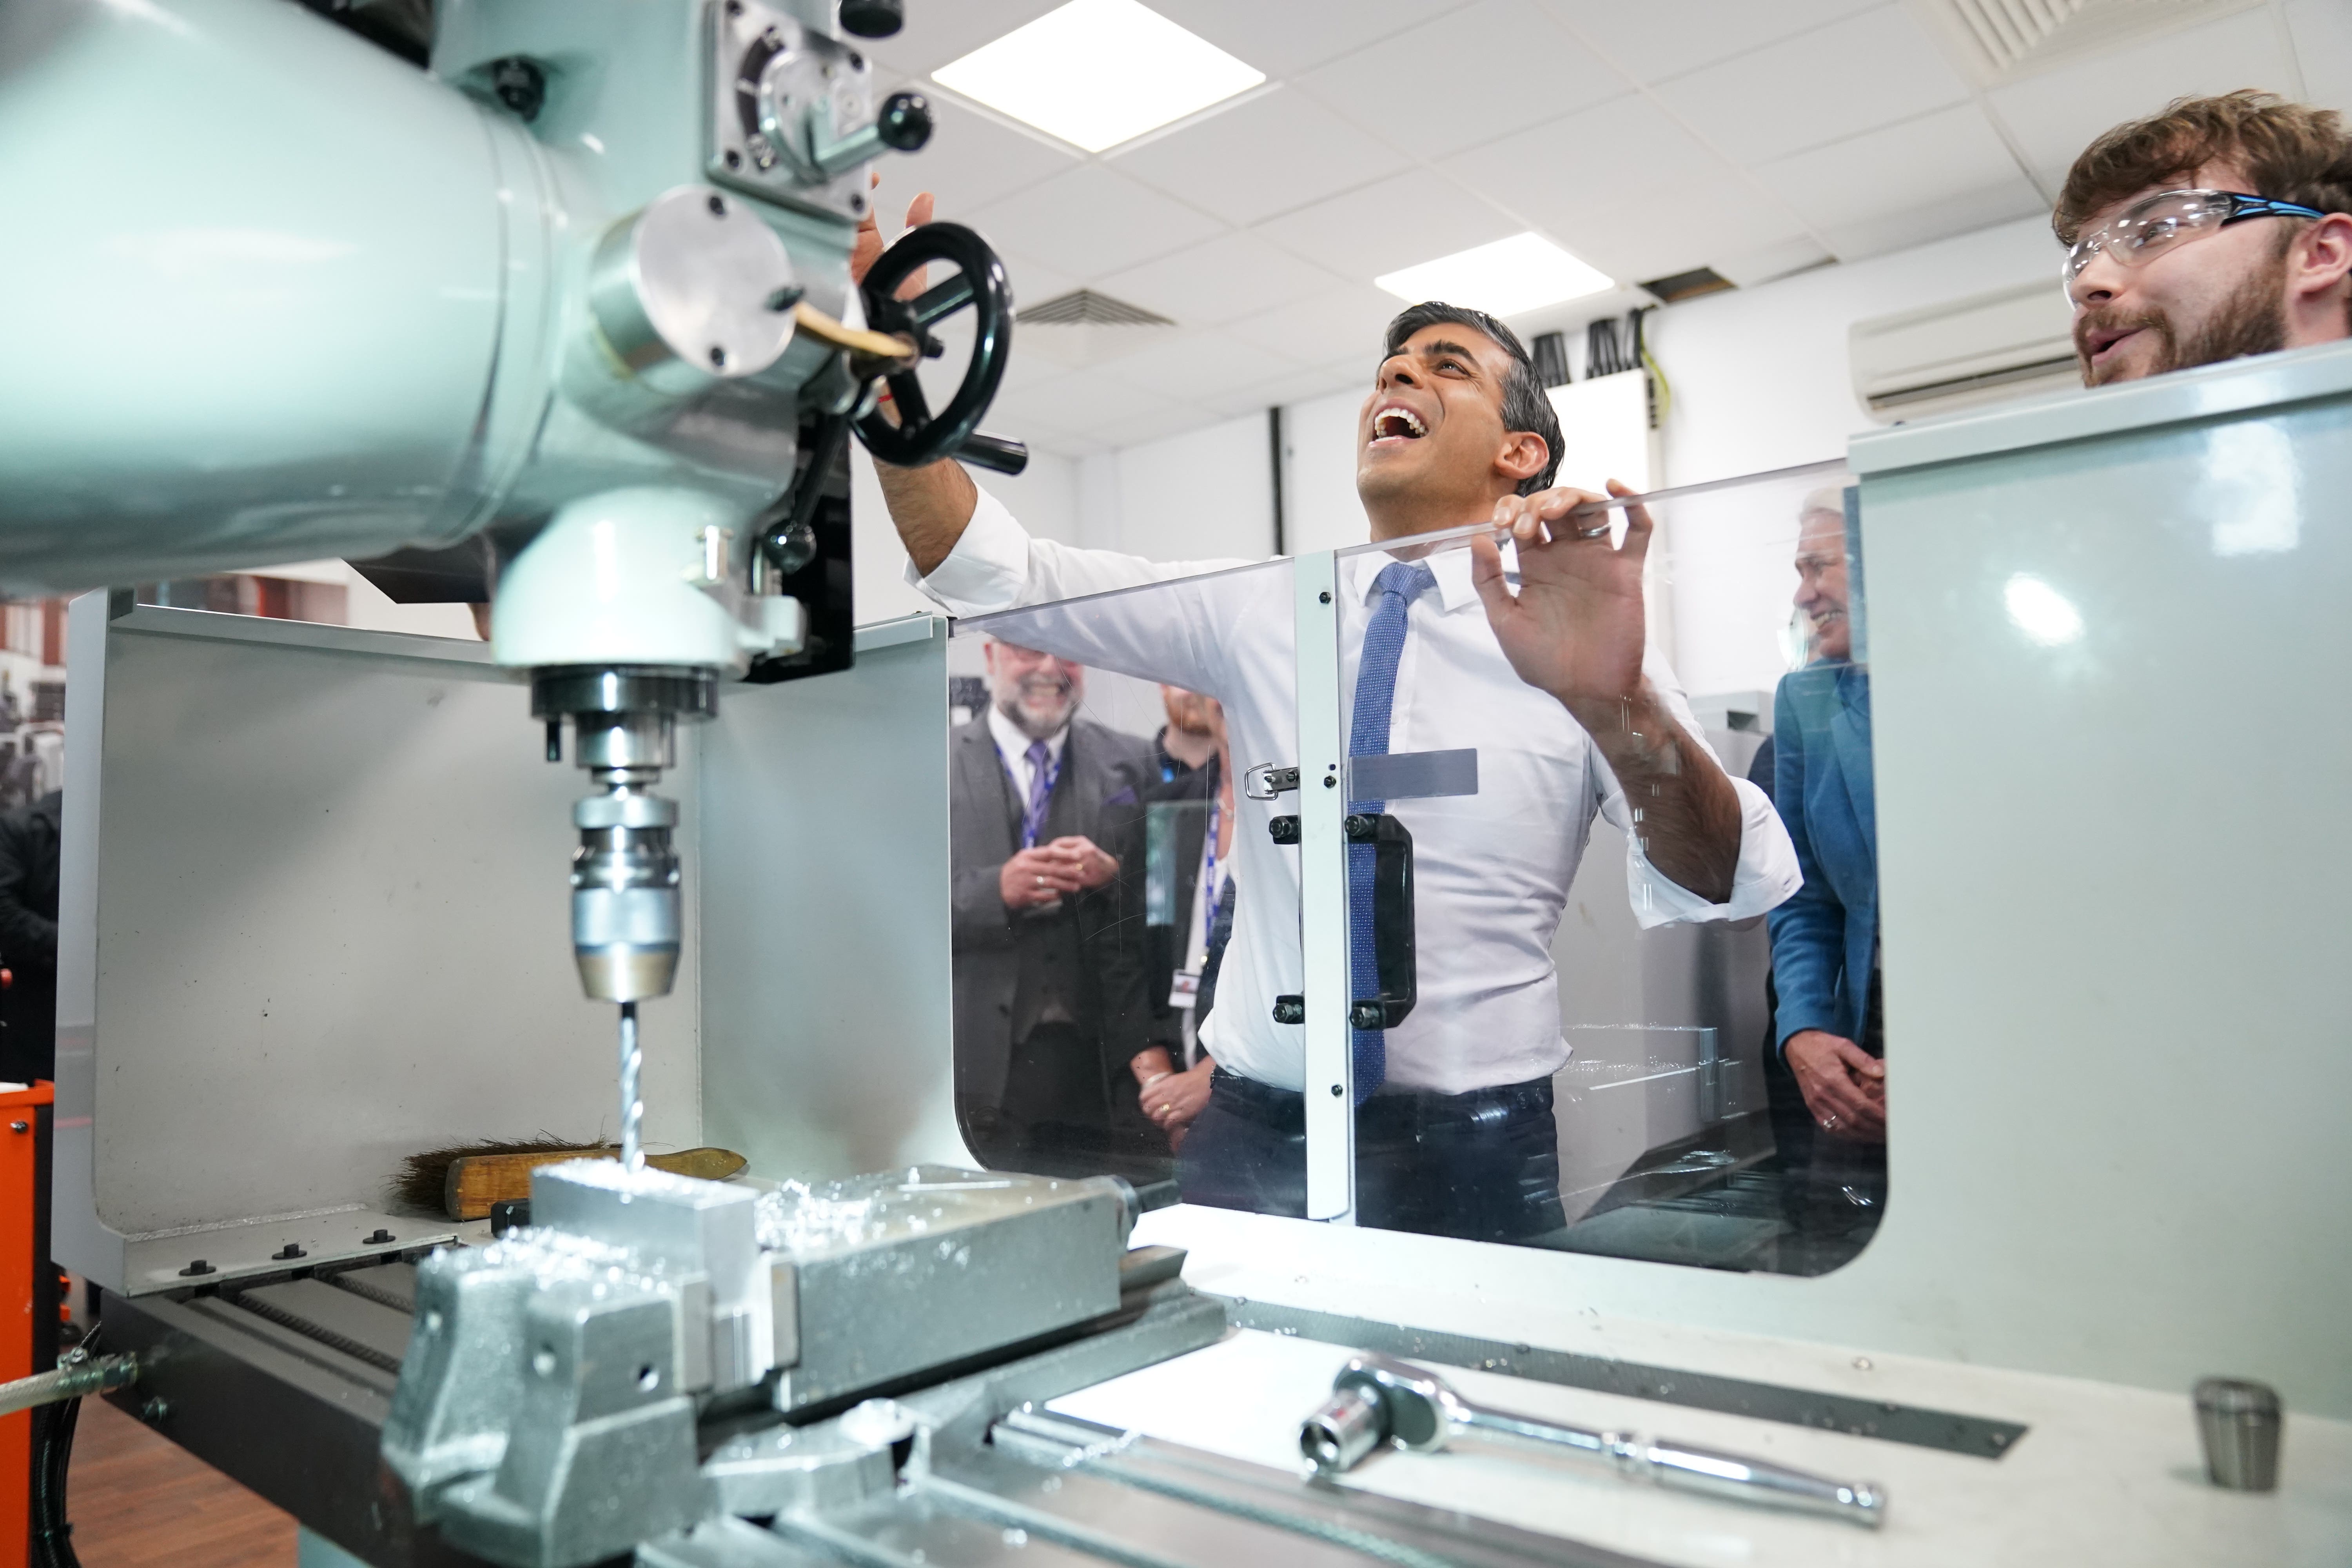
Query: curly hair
[(2291, 153)]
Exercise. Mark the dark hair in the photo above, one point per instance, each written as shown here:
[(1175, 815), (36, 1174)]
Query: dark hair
[(2292, 152), (1525, 406)]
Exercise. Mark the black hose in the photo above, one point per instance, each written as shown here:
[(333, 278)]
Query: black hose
[(52, 1458)]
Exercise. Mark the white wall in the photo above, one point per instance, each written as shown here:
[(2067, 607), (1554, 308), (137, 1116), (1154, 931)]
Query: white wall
[(1205, 495), (1760, 376), (1044, 498)]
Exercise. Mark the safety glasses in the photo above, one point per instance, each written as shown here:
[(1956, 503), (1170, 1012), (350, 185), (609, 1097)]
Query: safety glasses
[(2147, 229)]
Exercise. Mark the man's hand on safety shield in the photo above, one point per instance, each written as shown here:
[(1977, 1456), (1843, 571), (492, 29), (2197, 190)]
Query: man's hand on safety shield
[(1844, 1085), (1576, 628)]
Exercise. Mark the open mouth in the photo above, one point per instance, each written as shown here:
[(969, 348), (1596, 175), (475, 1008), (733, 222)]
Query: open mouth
[(2097, 345), (1395, 425)]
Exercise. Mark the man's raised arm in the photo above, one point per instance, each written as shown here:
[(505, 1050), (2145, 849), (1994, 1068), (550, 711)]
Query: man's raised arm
[(930, 507), (1577, 629)]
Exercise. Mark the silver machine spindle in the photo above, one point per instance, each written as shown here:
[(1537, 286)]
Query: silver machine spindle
[(1377, 1399), (633, 1104), (627, 914)]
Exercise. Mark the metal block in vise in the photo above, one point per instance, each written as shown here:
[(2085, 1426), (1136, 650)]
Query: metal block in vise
[(894, 1275), (701, 1236)]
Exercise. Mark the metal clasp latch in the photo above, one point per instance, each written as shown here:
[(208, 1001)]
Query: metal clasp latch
[(1265, 780)]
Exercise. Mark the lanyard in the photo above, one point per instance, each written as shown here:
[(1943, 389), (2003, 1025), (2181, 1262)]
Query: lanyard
[(1213, 895), (1033, 813)]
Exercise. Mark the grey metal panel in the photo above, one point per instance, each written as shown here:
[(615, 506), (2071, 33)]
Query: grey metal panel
[(2115, 946), (325, 926), (825, 1003)]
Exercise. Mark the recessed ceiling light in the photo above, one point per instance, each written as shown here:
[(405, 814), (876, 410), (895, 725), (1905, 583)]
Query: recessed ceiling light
[(1098, 72), (1502, 278)]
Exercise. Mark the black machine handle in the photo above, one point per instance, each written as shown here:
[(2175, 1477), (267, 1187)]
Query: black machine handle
[(1397, 978), (978, 284), (1397, 963), (994, 452)]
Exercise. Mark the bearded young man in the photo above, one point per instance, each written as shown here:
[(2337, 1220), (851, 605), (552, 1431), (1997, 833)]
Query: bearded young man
[(2220, 228), (1573, 715)]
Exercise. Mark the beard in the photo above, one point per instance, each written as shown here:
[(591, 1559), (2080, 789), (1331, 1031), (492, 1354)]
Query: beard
[(1039, 707), (2251, 320)]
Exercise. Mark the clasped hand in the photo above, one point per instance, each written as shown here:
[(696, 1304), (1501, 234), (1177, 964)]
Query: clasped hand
[(1044, 875)]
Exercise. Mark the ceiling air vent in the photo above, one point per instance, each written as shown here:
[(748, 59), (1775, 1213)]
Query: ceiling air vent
[(2001, 40), (1083, 328)]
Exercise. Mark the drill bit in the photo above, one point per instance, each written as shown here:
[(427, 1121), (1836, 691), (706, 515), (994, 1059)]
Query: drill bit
[(633, 1105)]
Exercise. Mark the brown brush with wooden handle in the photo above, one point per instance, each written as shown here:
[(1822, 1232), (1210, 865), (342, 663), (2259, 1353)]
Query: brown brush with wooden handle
[(465, 1181)]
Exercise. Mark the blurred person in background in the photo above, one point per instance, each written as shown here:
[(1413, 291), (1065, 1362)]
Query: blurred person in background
[(1177, 895), (28, 939), (1825, 937), (1034, 897)]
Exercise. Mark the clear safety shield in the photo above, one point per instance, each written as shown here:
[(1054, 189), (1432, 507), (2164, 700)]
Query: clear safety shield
[(1124, 917), (1601, 793)]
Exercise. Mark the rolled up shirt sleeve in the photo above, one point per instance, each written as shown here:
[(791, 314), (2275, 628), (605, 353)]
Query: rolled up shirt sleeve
[(1766, 877), (1767, 874)]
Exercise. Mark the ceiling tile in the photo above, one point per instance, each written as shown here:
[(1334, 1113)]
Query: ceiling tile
[(1672, 231), (1868, 70), (1090, 221), (1300, 386), (1897, 168), (2322, 30), (1231, 276), (1403, 219), (1293, 36), (1275, 152), (1957, 212), (1136, 430), (1197, 366), (1345, 321), (1465, 77), (2056, 115), (1651, 42), (1584, 178), (970, 160), (1033, 282), (1078, 403), (942, 30), (1753, 264)]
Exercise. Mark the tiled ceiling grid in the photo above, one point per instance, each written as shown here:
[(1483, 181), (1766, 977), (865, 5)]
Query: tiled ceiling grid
[(1648, 137)]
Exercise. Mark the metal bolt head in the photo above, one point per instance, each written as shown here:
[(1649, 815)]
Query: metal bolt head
[(20, 1127), (156, 1411)]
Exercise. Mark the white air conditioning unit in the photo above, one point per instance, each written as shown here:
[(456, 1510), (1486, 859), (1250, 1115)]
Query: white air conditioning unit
[(1989, 347)]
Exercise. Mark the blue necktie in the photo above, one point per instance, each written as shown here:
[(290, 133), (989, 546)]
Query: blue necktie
[(1399, 584)]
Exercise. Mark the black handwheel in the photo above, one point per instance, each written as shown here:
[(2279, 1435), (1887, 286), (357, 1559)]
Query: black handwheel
[(920, 437)]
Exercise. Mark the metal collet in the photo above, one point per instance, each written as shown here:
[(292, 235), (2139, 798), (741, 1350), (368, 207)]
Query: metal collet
[(1377, 1399)]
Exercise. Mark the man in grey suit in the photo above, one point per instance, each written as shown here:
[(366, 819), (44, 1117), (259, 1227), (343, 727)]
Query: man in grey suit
[(1035, 899)]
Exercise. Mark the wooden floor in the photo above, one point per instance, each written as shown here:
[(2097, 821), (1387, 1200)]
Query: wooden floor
[(137, 1500)]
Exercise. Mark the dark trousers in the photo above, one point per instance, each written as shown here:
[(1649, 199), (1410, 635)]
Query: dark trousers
[(1484, 1165), (1832, 1190)]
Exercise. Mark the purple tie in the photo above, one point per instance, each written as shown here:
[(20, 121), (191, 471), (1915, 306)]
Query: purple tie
[(1041, 790)]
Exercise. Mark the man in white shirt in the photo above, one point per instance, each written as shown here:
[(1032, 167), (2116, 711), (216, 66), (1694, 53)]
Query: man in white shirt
[(1554, 684)]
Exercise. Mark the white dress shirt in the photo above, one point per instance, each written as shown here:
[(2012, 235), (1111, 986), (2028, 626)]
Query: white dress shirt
[(1012, 747), (1491, 871)]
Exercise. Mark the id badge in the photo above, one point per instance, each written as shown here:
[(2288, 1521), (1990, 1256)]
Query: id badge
[(1185, 989)]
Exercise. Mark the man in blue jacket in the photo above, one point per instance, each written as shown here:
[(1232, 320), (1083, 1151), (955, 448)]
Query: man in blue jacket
[(1826, 938)]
